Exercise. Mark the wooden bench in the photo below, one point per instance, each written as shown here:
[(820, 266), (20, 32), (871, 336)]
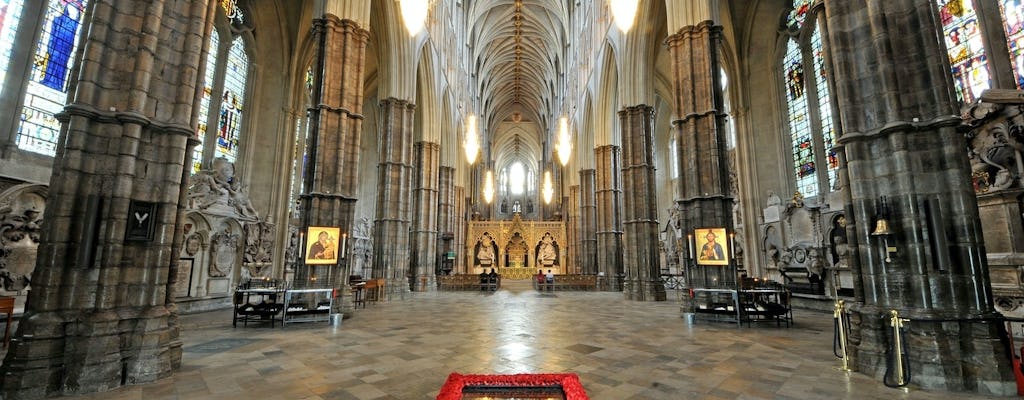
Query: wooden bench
[(467, 282), (573, 282)]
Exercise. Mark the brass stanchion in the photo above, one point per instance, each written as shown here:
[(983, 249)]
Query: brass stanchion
[(841, 331), (901, 370)]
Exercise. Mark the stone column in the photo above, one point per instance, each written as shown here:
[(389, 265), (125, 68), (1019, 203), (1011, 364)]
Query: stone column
[(395, 177), (425, 220), (446, 213), (901, 141), (588, 223), (703, 171), (459, 243), (608, 194), (641, 255), (335, 128), (572, 211), (98, 314)]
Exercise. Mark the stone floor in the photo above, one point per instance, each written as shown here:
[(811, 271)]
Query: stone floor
[(406, 349)]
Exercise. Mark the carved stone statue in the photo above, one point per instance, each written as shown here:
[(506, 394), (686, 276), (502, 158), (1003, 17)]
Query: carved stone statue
[(259, 242), (218, 187), (19, 236), (996, 141)]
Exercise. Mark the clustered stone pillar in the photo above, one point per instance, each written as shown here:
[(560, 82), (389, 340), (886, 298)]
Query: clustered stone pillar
[(703, 187), (331, 187), (425, 219), (459, 243), (395, 177), (608, 194), (641, 248), (902, 143), (446, 212), (588, 223), (98, 315), (572, 211)]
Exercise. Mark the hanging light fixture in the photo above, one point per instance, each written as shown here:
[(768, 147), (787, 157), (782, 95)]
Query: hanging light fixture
[(489, 187), (547, 190), (564, 145), (624, 12), (471, 145), (414, 13)]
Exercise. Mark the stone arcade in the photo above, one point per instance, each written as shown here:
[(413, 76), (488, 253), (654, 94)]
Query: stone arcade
[(168, 151)]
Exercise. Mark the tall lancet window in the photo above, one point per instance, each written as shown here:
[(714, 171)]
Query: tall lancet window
[(47, 88), (974, 42), (1013, 25), (10, 14), (961, 30), (204, 101), (225, 82), (229, 124), (299, 151), (808, 100)]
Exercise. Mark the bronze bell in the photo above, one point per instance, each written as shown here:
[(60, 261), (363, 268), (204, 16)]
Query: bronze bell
[(881, 228)]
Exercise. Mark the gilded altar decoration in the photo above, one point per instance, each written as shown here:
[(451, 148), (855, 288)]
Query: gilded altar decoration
[(517, 249)]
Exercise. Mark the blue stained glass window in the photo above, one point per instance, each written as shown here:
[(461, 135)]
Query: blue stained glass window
[(10, 14), (230, 123), (824, 108), (964, 45), (1013, 24), (47, 92), (204, 101)]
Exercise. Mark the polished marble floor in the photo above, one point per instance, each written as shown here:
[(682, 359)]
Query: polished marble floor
[(405, 349)]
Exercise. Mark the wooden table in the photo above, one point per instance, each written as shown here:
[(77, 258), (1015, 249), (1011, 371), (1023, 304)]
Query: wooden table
[(7, 306)]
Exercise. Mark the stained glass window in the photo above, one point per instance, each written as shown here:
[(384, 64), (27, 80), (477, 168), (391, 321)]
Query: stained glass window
[(47, 87), (1013, 24), (230, 123), (797, 17), (824, 108), (673, 147), (10, 14), (799, 121), (204, 101), (299, 153), (232, 11), (966, 51)]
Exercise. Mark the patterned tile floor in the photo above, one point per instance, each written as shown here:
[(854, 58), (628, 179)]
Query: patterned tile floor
[(405, 349)]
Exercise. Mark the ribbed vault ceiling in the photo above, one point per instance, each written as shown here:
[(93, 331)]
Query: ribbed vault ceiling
[(518, 48)]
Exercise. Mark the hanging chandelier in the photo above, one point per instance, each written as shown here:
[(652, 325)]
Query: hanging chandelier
[(471, 145), (624, 12), (489, 187), (414, 13), (564, 145), (546, 189)]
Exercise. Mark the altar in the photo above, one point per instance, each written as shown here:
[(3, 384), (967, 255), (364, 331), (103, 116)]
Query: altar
[(516, 249)]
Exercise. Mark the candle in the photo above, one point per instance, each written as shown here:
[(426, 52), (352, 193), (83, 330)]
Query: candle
[(732, 244), (344, 240), (690, 244)]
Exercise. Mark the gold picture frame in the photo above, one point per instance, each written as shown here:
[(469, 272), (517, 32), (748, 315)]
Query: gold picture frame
[(322, 244), (712, 246)]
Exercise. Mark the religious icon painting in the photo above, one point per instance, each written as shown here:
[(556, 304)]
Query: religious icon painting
[(322, 245), (712, 246)]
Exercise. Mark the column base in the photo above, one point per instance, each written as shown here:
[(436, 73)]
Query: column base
[(956, 356), (644, 290)]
